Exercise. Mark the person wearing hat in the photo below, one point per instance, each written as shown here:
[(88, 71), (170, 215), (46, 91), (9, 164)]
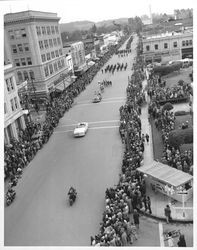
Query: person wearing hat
[(167, 212)]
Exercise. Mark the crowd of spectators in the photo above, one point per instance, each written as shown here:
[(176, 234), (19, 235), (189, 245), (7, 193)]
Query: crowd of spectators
[(18, 153), (165, 122), (158, 91), (128, 45), (120, 223)]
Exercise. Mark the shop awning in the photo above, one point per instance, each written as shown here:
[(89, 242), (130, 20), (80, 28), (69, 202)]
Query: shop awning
[(166, 174)]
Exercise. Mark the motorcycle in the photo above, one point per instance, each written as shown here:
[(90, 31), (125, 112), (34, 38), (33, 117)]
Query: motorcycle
[(72, 196), (10, 196)]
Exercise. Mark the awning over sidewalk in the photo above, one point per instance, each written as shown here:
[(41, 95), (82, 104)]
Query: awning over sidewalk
[(165, 173)]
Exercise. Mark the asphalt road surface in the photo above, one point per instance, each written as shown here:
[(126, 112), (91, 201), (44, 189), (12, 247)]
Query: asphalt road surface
[(40, 214)]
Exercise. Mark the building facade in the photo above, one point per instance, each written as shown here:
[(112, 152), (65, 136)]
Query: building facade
[(78, 55), (168, 47), (13, 113), (33, 44)]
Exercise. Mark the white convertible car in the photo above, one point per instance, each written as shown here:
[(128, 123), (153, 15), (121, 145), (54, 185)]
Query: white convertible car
[(81, 129)]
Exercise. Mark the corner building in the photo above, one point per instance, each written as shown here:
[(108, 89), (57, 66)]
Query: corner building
[(13, 113), (168, 47), (33, 44)]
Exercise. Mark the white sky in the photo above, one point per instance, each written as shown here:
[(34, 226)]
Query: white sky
[(95, 10)]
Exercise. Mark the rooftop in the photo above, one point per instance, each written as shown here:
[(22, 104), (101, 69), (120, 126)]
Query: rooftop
[(169, 34), (17, 16)]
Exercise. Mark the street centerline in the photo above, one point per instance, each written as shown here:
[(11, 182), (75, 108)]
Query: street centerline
[(108, 121), (96, 128), (94, 104)]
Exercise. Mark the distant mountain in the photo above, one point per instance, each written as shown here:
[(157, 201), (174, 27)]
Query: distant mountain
[(85, 25), (110, 22), (79, 25)]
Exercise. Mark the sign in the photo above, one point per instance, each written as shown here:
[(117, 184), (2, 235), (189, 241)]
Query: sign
[(182, 192)]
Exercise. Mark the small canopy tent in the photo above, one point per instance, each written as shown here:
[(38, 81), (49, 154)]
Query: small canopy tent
[(165, 173), (162, 176)]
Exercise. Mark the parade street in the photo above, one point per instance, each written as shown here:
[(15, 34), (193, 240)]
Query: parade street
[(41, 215)]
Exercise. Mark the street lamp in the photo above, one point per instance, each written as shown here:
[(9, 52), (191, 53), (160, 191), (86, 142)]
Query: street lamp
[(27, 112)]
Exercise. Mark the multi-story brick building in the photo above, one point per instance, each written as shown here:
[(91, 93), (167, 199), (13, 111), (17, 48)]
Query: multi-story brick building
[(168, 46), (78, 55), (13, 113), (33, 44)]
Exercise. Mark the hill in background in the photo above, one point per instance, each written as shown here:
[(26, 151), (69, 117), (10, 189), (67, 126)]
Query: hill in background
[(86, 25)]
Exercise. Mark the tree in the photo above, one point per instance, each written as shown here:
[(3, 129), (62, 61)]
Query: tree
[(179, 137), (167, 69), (94, 29), (167, 106)]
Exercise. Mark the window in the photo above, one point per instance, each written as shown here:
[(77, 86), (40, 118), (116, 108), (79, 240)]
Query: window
[(147, 47), (56, 29), (48, 30), (51, 69), (17, 62), (190, 42), (14, 49), (63, 63), (46, 71), (54, 41), (55, 66), (52, 30), (20, 76), (174, 44), (56, 53), (26, 47), (17, 34), (23, 33), (23, 61), (7, 84), (16, 102), (43, 58), (48, 56), (43, 30), (38, 30), (11, 83), (187, 42), (41, 45), (59, 64), (183, 43), (165, 45), (32, 76), (20, 47), (60, 52), (29, 62), (11, 34), (58, 41), (46, 45), (12, 104), (5, 108), (52, 54), (156, 46), (26, 77), (50, 42)]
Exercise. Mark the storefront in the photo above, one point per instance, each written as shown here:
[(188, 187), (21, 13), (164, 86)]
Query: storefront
[(169, 181)]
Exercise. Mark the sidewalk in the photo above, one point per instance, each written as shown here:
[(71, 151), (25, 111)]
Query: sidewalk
[(159, 200)]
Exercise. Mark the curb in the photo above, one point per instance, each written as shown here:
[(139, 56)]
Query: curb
[(163, 219)]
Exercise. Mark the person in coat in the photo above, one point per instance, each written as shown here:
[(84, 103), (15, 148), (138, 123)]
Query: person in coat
[(136, 219), (181, 242)]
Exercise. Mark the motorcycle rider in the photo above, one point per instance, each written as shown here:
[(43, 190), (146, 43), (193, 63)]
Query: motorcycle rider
[(72, 194)]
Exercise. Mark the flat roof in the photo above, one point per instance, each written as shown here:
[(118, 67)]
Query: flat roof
[(169, 34), (165, 173)]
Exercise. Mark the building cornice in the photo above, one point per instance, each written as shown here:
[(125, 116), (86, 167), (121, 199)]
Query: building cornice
[(30, 20)]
